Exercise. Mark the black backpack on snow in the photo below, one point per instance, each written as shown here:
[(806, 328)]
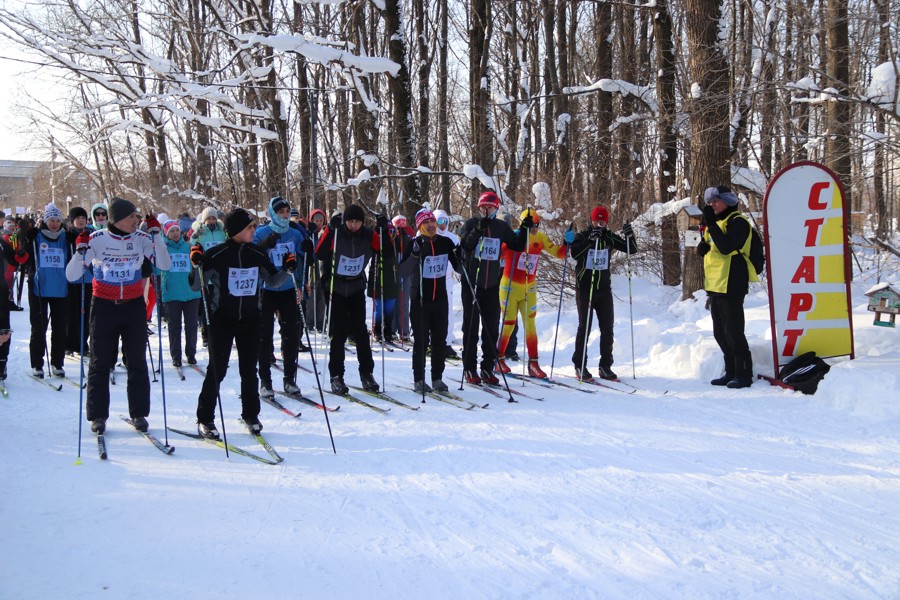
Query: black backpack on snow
[(804, 372), (757, 253)]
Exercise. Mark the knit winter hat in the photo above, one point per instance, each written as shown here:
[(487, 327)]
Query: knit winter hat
[(98, 206), (315, 212), (489, 199), (422, 216), (119, 208), (277, 203), (75, 212), (600, 213), (354, 212), (170, 224), (723, 192), (399, 221), (236, 221), (51, 212)]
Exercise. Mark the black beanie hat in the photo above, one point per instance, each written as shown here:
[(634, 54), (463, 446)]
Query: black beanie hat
[(120, 208), (277, 203), (76, 212), (354, 212), (236, 221)]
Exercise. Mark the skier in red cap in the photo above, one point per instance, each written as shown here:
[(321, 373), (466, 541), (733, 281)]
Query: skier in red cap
[(591, 250)]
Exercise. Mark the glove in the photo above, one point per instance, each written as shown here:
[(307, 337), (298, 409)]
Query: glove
[(21, 256), (597, 233), (627, 231), (703, 248), (197, 255), (270, 241), (484, 223), (312, 228), (381, 222), (289, 262), (335, 222), (153, 225), (569, 236), (82, 241), (709, 215), (528, 221), (306, 246)]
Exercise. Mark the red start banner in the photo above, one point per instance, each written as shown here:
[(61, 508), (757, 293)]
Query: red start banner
[(808, 257)]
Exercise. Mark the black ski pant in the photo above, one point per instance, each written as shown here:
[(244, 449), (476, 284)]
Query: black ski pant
[(727, 312), (348, 319), (223, 333), (488, 320), (284, 304), (314, 309), (4, 349), (182, 311), (73, 320), (109, 322), (39, 307), (601, 304), (429, 325)]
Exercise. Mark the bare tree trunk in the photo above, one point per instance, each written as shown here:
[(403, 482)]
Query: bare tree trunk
[(444, 108), (878, 166), (480, 93), (709, 116), (837, 113), (668, 140)]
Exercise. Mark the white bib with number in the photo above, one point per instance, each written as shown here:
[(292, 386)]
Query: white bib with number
[(210, 244), (278, 253), (242, 282), (528, 263), (597, 260), (489, 249), (119, 272), (180, 263), (52, 258), (434, 267), (350, 267)]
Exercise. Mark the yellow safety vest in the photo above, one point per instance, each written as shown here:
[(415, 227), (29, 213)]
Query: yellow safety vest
[(717, 266)]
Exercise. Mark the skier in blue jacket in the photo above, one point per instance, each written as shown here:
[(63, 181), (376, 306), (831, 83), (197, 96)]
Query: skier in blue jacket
[(182, 303)]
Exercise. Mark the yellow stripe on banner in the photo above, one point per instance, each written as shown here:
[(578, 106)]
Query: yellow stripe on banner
[(832, 232), (831, 269), (829, 305), (837, 201), (825, 342)]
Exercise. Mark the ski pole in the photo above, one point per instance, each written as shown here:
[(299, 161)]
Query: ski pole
[(316, 372), (204, 293), (157, 278), (383, 307), (81, 377), (152, 367), (630, 303), (471, 315), (562, 287), (527, 287), (330, 309), (590, 314)]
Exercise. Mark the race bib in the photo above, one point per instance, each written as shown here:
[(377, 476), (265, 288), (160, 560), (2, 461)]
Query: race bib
[(210, 244), (278, 253), (242, 282), (528, 263), (597, 260), (489, 249), (52, 258), (180, 263), (434, 267), (119, 272), (350, 267)]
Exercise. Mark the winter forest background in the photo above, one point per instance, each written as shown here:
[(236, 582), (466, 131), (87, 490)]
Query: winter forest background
[(182, 104)]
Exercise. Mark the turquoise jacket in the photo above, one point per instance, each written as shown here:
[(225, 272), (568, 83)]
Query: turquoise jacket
[(174, 282)]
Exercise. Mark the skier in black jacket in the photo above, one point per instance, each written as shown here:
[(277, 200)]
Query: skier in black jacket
[(481, 240), (233, 274), (344, 249), (591, 250)]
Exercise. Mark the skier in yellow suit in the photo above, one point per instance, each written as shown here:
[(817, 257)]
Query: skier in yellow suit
[(518, 292)]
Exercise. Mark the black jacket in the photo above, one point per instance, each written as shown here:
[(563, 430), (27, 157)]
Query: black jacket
[(485, 272), (351, 249), (582, 249), (425, 253)]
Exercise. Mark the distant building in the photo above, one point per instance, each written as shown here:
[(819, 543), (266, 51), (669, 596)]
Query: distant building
[(28, 183)]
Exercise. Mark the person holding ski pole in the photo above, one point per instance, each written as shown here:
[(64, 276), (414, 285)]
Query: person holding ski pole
[(180, 300), (482, 238), (48, 290), (443, 229), (592, 249), (74, 330), (430, 254), (345, 248), (120, 258), (279, 239), (314, 298), (402, 239), (727, 270), (519, 294), (384, 288), (233, 273)]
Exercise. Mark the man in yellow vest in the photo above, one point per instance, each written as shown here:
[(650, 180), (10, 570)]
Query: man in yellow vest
[(725, 249)]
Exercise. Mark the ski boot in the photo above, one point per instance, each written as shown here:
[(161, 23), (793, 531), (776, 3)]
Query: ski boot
[(534, 369)]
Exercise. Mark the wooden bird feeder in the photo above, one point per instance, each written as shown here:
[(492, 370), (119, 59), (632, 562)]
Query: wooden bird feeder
[(884, 300)]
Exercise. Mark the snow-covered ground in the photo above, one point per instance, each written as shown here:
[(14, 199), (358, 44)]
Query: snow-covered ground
[(681, 490)]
